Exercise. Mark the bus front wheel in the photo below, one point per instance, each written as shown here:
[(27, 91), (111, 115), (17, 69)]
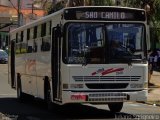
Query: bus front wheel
[(115, 107)]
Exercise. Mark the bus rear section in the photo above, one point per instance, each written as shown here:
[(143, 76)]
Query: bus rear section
[(104, 57)]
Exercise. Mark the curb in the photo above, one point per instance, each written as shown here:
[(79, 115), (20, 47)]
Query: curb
[(153, 85), (153, 103)]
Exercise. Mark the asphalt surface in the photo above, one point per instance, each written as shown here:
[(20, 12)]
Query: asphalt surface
[(12, 109)]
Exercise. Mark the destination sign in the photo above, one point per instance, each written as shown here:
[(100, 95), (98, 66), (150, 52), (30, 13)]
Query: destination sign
[(104, 14)]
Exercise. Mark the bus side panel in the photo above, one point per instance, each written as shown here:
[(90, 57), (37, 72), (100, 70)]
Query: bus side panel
[(29, 78), (43, 68), (43, 60)]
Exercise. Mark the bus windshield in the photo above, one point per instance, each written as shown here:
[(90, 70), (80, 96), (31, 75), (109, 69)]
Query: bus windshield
[(102, 43)]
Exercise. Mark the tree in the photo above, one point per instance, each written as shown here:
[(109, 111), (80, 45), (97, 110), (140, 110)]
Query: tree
[(103, 2), (132, 3), (73, 3), (155, 22), (55, 6), (43, 4), (155, 16)]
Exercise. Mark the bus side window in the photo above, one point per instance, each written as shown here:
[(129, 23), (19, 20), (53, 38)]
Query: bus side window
[(43, 30), (16, 37), (28, 34), (46, 38), (21, 36), (45, 44), (34, 46), (29, 49), (30, 46)]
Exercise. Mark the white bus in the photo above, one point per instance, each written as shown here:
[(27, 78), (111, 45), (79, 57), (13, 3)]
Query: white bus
[(94, 55)]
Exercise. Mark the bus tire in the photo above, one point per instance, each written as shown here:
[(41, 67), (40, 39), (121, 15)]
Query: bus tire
[(20, 94), (115, 107), (48, 98)]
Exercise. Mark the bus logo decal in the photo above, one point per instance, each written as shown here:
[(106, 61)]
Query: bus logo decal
[(108, 71), (31, 65), (98, 71), (113, 70)]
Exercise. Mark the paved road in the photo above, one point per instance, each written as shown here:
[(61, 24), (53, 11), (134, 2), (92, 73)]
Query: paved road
[(11, 109), (5, 89)]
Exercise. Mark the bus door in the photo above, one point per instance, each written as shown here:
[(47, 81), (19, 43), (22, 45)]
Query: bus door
[(12, 64), (56, 57)]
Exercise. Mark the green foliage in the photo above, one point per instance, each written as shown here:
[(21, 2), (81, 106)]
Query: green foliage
[(103, 2), (132, 3), (43, 4), (98, 2), (109, 2), (55, 7), (156, 14)]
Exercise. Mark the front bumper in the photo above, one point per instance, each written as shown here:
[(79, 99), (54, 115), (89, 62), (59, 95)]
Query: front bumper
[(103, 97)]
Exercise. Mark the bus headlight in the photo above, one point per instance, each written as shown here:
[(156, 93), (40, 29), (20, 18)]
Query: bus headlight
[(136, 85), (65, 86)]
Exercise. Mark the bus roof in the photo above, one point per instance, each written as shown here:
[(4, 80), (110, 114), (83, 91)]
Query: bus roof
[(48, 17), (39, 21), (121, 7)]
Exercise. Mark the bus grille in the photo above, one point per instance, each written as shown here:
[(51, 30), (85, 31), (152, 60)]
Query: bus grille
[(108, 97), (106, 78), (107, 85)]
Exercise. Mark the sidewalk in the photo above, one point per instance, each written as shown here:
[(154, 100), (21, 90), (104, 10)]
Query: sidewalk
[(154, 89)]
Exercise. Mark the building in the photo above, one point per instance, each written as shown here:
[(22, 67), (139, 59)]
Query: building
[(4, 22), (9, 17)]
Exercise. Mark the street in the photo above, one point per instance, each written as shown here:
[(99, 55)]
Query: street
[(5, 89), (12, 109)]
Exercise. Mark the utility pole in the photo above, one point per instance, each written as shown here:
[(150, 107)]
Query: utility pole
[(32, 10), (19, 12)]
